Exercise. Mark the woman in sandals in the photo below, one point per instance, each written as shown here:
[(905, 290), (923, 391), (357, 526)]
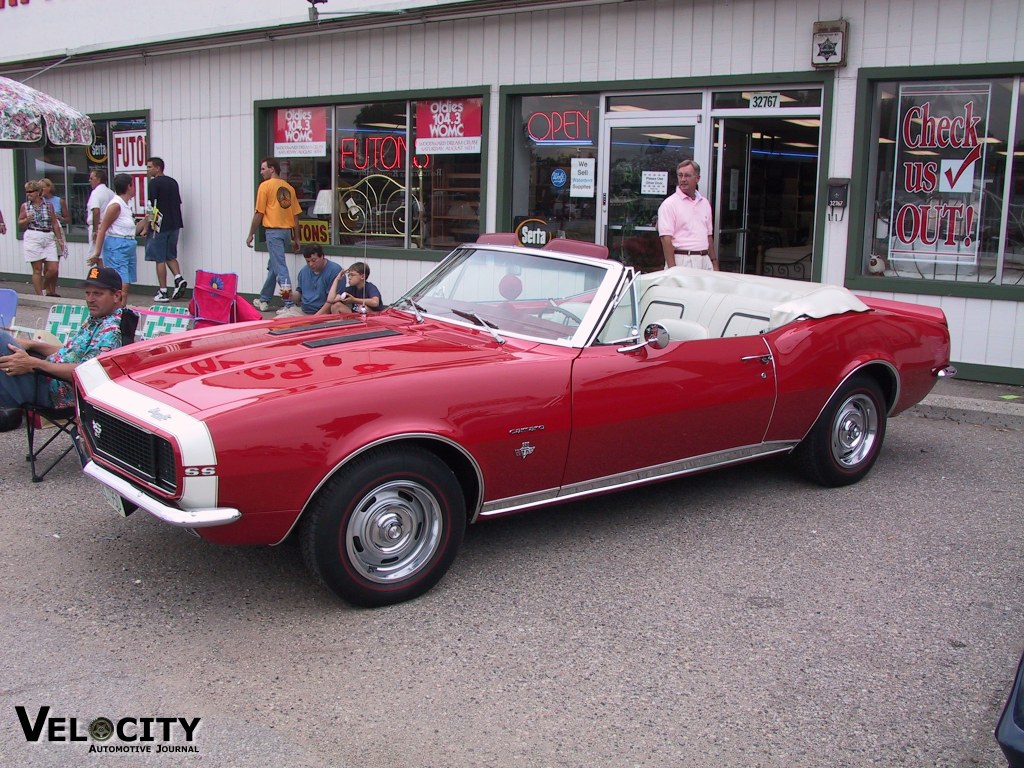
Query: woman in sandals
[(36, 216)]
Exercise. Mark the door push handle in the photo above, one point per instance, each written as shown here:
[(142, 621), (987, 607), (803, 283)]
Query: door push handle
[(765, 358)]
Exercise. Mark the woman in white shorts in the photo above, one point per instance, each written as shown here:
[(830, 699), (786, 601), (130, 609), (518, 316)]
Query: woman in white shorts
[(115, 239), (36, 217), (63, 216)]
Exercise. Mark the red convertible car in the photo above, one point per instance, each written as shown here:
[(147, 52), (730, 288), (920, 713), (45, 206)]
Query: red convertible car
[(508, 378)]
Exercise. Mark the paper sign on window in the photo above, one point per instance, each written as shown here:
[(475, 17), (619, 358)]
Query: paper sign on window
[(448, 126), (940, 173), (584, 176)]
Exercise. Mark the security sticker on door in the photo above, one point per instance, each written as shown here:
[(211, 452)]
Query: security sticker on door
[(764, 100)]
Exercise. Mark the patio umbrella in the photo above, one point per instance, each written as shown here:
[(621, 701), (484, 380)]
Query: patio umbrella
[(30, 118)]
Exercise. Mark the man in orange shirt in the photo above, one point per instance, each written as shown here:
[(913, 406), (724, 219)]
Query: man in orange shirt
[(277, 210)]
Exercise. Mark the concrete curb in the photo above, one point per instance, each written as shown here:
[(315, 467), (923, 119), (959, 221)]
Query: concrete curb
[(970, 410)]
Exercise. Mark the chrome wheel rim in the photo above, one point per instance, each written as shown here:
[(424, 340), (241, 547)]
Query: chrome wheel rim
[(854, 431), (394, 531)]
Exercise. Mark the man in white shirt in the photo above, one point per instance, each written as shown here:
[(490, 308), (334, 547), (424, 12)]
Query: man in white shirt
[(99, 198)]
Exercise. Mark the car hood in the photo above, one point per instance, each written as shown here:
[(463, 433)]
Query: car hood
[(227, 366)]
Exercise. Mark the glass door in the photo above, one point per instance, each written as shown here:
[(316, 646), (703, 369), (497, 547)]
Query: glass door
[(731, 161), (641, 155)]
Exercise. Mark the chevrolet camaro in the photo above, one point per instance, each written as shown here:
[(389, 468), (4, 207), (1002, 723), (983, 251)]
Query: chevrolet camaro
[(509, 378)]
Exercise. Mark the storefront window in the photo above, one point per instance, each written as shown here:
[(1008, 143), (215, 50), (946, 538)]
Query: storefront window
[(399, 174), (554, 166), (120, 146), (800, 98), (655, 102), (946, 193)]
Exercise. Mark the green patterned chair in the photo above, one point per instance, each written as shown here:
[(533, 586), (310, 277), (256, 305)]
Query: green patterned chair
[(162, 319), (65, 319)]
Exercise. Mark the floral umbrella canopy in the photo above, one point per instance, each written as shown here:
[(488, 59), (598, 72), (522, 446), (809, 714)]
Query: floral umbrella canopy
[(31, 118)]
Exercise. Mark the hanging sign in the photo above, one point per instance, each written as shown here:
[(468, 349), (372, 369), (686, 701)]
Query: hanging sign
[(448, 126), (939, 173), (300, 132), (130, 152)]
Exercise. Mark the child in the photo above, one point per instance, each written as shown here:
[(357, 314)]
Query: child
[(359, 295)]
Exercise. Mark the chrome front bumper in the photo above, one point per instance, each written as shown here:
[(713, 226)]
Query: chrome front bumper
[(183, 518)]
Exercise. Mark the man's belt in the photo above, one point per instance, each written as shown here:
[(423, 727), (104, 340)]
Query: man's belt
[(692, 253)]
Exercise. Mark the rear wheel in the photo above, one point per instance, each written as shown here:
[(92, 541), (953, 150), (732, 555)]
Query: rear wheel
[(846, 439), (387, 528)]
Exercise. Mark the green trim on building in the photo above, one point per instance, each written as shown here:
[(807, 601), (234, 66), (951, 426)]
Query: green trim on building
[(990, 373)]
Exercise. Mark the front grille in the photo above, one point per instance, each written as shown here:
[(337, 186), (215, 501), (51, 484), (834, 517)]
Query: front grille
[(142, 454)]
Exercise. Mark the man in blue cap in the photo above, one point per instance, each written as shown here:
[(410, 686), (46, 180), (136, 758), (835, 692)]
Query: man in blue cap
[(19, 382)]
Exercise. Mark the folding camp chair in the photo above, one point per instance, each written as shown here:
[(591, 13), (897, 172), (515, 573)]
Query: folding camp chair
[(215, 300), (8, 307), (161, 319), (64, 319), (63, 419)]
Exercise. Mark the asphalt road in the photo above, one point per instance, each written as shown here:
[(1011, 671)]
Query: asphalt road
[(741, 618)]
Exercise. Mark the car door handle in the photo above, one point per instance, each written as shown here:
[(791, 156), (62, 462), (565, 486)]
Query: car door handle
[(765, 358)]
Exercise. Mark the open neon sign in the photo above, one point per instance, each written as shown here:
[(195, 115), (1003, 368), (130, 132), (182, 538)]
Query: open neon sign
[(570, 126)]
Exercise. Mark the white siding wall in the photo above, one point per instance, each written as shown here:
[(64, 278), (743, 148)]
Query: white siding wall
[(201, 103)]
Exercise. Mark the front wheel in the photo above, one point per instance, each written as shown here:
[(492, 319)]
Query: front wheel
[(846, 439), (385, 529)]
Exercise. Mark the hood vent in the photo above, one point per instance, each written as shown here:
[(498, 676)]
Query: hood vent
[(314, 327), (316, 343)]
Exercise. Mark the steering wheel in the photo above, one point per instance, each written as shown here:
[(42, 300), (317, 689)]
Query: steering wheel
[(565, 313)]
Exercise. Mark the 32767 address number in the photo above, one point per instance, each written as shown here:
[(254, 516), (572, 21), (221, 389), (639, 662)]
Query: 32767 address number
[(764, 101)]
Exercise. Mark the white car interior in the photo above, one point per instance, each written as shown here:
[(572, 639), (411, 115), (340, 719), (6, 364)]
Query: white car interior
[(697, 304)]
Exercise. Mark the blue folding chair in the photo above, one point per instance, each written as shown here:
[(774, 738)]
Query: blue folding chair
[(8, 307)]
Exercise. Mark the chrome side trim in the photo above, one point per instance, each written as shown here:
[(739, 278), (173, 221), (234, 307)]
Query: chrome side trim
[(183, 518), (638, 477)]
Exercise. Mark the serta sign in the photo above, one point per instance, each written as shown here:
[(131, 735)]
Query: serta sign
[(533, 232)]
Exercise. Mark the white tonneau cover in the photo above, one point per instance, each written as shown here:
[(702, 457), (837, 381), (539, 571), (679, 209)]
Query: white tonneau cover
[(784, 300)]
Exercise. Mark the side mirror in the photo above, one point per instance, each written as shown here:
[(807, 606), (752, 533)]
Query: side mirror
[(656, 336)]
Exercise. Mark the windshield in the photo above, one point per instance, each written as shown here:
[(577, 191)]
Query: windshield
[(554, 298)]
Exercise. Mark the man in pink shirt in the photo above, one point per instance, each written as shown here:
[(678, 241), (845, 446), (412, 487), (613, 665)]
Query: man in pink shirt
[(684, 223)]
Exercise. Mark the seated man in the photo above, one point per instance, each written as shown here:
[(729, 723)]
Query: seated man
[(313, 283), (359, 295), (18, 383)]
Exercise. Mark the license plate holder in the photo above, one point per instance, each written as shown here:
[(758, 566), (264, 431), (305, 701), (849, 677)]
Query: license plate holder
[(115, 500)]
